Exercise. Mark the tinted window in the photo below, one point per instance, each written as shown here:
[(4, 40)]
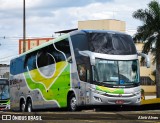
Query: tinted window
[(44, 59), (53, 53), (4, 81), (16, 65), (45, 56), (79, 43), (64, 47), (100, 42), (30, 61), (108, 43)]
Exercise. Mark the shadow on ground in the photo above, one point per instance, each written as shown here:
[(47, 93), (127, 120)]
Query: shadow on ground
[(128, 108)]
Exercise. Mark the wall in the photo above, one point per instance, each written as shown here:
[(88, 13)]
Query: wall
[(31, 43), (4, 71), (144, 71), (108, 24)]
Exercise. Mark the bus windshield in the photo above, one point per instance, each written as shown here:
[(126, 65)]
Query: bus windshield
[(116, 72), (4, 89), (4, 92)]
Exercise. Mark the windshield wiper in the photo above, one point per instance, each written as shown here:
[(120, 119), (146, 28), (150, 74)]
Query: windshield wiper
[(109, 81)]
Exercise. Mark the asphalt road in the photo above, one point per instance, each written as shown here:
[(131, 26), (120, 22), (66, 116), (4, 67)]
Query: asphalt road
[(84, 116)]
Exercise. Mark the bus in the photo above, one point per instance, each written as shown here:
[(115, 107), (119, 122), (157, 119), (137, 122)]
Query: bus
[(4, 94), (81, 68)]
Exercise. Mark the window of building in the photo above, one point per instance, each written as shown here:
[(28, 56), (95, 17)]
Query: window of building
[(143, 63), (145, 80)]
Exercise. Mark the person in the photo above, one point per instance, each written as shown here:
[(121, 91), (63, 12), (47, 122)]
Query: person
[(134, 71), (82, 72)]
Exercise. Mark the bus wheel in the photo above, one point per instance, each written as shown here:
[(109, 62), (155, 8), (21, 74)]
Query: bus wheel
[(22, 106), (29, 106), (72, 103)]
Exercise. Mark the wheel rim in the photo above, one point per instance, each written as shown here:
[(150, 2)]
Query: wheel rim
[(29, 107), (73, 103), (23, 107)]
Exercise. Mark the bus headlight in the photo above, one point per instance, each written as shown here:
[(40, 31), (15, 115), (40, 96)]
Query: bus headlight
[(97, 99)]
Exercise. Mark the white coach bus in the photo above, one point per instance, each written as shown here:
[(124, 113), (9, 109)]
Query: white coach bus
[(81, 68)]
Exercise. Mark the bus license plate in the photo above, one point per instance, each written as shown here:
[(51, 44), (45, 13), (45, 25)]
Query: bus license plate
[(119, 101)]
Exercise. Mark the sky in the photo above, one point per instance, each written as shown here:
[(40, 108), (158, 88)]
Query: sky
[(44, 17)]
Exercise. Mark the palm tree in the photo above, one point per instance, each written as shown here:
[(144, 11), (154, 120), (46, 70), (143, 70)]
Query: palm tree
[(149, 33)]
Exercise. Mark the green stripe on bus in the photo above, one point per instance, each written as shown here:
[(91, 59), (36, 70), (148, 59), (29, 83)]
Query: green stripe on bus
[(58, 90), (110, 90)]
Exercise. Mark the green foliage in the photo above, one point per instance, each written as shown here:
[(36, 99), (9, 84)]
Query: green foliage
[(149, 32), (142, 91)]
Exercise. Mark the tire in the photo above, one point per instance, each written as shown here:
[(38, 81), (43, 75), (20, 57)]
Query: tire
[(97, 109), (22, 106), (72, 103), (29, 106)]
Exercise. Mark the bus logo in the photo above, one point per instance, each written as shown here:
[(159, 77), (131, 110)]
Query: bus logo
[(6, 117)]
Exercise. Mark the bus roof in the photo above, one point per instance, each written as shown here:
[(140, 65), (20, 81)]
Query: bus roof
[(3, 78), (96, 31), (65, 36), (44, 44)]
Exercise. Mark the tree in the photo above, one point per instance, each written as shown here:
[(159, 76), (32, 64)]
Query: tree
[(149, 33)]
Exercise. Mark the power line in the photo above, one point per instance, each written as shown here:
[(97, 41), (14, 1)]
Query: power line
[(8, 37), (6, 44), (8, 56), (20, 37), (1, 67), (5, 60)]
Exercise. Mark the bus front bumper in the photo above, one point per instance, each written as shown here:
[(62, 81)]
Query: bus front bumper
[(99, 99), (4, 107)]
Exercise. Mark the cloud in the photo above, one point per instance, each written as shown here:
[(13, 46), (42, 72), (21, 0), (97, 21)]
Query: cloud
[(18, 4), (43, 18), (58, 4), (54, 15), (47, 4)]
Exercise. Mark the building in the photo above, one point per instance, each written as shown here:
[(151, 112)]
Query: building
[(107, 24), (30, 43), (147, 74), (4, 71)]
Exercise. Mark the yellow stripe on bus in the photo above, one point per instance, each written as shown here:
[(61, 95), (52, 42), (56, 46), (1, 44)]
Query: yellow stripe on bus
[(36, 76)]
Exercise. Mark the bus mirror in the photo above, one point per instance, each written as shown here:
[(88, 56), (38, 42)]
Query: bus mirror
[(69, 59), (90, 54), (92, 59), (147, 60)]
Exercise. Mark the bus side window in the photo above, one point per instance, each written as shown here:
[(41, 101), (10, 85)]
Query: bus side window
[(13, 67), (64, 47)]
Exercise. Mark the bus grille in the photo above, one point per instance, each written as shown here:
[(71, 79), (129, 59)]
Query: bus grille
[(3, 101)]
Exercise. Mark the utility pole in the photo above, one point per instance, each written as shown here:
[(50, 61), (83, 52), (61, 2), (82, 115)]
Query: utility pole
[(24, 26)]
